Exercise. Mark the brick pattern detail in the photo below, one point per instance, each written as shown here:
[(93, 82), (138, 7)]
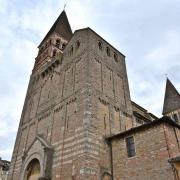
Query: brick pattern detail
[(43, 125), (80, 74), (103, 119), (154, 146), (58, 124), (96, 77), (71, 116), (68, 82), (31, 134), (119, 89), (34, 105), (108, 82), (45, 91), (71, 104)]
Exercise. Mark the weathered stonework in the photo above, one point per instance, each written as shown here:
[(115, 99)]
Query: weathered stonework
[(156, 145), (78, 95)]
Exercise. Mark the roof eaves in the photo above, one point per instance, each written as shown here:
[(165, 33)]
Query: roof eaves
[(164, 119), (88, 28)]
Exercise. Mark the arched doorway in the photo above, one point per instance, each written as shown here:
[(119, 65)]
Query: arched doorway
[(177, 166), (32, 170), (106, 176)]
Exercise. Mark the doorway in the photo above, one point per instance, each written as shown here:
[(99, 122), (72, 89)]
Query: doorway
[(33, 170)]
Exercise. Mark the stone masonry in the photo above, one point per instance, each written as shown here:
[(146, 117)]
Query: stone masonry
[(78, 94)]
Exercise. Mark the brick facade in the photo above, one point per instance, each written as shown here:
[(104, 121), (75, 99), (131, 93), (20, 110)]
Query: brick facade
[(73, 101), (155, 145), (78, 95)]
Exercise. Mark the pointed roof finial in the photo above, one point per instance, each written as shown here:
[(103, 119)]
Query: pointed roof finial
[(64, 7)]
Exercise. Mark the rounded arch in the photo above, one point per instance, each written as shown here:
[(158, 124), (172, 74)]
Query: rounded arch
[(63, 46), (35, 157), (54, 53), (106, 176), (58, 43), (33, 170)]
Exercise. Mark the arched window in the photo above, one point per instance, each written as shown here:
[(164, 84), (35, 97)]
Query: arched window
[(63, 46), (106, 176), (54, 53), (108, 51), (72, 49), (175, 117), (100, 45), (77, 44), (57, 43), (115, 57)]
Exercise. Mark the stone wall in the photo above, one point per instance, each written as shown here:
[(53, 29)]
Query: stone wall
[(73, 105), (154, 146)]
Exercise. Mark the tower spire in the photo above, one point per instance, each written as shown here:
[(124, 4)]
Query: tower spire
[(61, 26), (171, 98)]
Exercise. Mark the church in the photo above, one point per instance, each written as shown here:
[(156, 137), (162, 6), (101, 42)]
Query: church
[(79, 122)]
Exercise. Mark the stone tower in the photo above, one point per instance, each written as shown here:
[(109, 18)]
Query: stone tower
[(171, 106), (78, 94)]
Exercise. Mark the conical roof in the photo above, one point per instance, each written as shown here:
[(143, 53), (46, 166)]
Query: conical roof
[(171, 98), (61, 26)]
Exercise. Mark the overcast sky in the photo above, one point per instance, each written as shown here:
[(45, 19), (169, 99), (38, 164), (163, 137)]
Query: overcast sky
[(147, 32)]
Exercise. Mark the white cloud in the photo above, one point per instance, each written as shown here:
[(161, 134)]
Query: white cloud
[(5, 153), (3, 6), (167, 51)]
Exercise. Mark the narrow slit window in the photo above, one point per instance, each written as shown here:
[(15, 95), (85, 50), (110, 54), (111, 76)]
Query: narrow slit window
[(130, 145), (57, 43), (77, 44), (100, 45), (105, 121), (63, 46), (54, 53), (115, 57), (175, 117), (108, 51)]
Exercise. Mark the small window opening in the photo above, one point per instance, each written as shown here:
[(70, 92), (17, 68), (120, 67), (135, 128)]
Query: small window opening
[(57, 43), (78, 44), (108, 51), (67, 124), (72, 49), (139, 121), (175, 117), (63, 46), (54, 53), (115, 57), (100, 45), (105, 121), (130, 145)]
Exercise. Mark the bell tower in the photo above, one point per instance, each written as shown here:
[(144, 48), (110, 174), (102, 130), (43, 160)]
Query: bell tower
[(54, 42), (78, 94)]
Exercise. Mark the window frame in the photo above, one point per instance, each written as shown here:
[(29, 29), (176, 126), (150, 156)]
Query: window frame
[(127, 147)]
